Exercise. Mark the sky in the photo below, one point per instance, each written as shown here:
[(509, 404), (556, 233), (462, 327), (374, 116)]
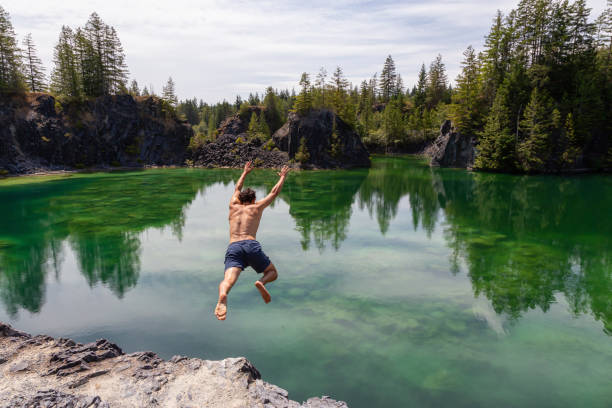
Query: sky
[(215, 50)]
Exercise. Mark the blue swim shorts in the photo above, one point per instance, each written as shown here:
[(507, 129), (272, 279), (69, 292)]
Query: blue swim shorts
[(245, 253)]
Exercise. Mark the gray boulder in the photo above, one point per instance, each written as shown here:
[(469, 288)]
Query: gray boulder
[(451, 148)]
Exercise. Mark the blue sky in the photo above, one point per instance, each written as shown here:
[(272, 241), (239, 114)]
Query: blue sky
[(217, 49)]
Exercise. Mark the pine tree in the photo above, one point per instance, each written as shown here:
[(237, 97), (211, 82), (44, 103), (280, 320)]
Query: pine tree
[(388, 79), (34, 71), (303, 102), (254, 125), (274, 114), (496, 143), (134, 90), (11, 78), (437, 83), (421, 88), (536, 127), (573, 148), (321, 87), (465, 108), (168, 93), (145, 91), (65, 79), (340, 84), (264, 129)]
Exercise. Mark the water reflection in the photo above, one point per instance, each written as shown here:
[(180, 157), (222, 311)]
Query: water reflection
[(522, 240)]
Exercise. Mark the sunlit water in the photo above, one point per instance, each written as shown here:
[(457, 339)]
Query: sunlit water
[(399, 285)]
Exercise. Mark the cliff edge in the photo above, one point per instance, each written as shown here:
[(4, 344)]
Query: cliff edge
[(40, 371)]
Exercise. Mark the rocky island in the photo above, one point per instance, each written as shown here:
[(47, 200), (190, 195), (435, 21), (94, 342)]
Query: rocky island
[(40, 371)]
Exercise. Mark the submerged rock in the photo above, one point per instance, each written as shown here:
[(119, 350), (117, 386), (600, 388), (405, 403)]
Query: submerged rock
[(330, 142), (41, 371), (451, 149)]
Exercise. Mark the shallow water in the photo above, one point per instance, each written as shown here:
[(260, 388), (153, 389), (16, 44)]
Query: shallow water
[(399, 285)]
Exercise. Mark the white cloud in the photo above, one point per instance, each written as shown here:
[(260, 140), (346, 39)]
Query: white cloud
[(216, 49)]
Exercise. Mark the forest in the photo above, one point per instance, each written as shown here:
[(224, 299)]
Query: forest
[(536, 98)]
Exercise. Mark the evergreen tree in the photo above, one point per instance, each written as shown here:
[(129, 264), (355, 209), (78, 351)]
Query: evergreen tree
[(534, 150), (254, 125), (437, 83), (145, 91), (274, 115), (134, 90), (420, 93), (303, 102), (10, 57), (496, 143), (321, 87), (168, 93), (388, 79), (65, 79), (573, 148), (264, 129), (466, 111), (34, 71)]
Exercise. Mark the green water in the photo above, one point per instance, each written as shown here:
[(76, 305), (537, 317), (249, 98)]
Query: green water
[(399, 285)]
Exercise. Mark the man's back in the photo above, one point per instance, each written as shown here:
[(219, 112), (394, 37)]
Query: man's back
[(244, 221)]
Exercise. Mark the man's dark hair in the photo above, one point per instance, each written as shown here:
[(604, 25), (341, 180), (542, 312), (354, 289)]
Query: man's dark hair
[(246, 196)]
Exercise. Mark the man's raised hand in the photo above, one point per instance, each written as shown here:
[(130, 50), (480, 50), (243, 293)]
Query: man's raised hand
[(248, 167), (284, 171)]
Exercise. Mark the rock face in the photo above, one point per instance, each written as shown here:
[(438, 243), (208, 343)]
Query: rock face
[(451, 149), (234, 147), (37, 133), (39, 371), (317, 129)]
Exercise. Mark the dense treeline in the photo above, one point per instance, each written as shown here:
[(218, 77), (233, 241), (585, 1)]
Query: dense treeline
[(537, 98)]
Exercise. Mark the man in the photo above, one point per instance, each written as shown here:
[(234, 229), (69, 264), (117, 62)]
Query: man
[(244, 250)]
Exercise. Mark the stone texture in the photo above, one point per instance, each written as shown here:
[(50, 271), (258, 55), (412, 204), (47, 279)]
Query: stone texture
[(38, 133), (451, 149), (62, 373), (316, 128)]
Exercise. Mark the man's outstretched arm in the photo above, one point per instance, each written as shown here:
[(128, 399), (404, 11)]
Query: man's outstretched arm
[(267, 200), (247, 169)]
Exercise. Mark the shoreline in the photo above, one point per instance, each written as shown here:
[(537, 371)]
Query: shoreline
[(109, 169), (44, 371)]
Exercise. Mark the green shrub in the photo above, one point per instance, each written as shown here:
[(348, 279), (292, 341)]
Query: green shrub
[(240, 140), (302, 154), (269, 145), (258, 162)]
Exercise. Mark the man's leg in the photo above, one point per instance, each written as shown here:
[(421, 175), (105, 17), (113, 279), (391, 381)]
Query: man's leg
[(269, 275), (231, 276)]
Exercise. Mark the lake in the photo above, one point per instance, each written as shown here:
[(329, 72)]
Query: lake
[(399, 285)]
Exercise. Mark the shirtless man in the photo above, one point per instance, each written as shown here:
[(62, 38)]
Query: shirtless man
[(244, 250)]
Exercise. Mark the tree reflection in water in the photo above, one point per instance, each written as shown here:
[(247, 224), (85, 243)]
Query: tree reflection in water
[(523, 239)]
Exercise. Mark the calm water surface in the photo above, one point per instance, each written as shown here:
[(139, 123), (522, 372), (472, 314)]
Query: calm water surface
[(399, 285)]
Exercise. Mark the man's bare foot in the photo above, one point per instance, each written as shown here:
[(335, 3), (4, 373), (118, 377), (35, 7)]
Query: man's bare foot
[(264, 292), (221, 309)]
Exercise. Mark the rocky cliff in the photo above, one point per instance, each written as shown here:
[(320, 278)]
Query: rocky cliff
[(38, 132), (234, 147), (328, 140), (40, 371), (451, 149)]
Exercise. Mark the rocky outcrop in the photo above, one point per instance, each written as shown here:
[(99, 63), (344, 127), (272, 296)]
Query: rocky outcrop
[(329, 141), (40, 371), (234, 147), (451, 149), (37, 132), (230, 150)]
